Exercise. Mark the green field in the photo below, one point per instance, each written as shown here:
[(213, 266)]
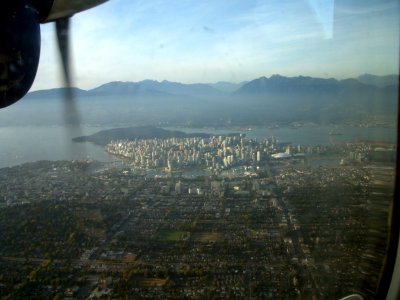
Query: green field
[(171, 235)]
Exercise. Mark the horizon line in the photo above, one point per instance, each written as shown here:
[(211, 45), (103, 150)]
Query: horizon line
[(211, 83)]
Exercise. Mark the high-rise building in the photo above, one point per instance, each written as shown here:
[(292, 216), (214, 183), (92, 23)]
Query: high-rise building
[(178, 187), (258, 156)]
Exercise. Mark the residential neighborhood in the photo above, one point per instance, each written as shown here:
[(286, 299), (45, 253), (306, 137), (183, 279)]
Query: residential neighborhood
[(254, 226)]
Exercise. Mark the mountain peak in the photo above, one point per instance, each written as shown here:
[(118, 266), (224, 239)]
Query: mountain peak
[(116, 87), (378, 81), (281, 84), (149, 86)]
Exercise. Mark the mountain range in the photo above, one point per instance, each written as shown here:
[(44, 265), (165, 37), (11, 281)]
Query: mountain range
[(277, 99), (276, 83), (378, 81), (146, 87)]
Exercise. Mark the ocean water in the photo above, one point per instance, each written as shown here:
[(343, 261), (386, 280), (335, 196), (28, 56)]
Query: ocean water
[(21, 144), (307, 135)]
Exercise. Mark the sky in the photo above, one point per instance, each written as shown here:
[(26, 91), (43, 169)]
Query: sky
[(225, 40)]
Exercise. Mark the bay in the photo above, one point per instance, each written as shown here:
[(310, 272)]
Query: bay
[(306, 135), (21, 144)]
